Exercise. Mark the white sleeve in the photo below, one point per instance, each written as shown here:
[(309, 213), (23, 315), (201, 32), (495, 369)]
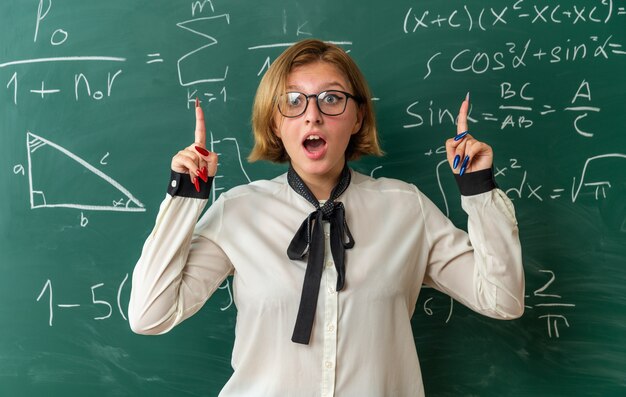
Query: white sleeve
[(483, 268), (179, 267)]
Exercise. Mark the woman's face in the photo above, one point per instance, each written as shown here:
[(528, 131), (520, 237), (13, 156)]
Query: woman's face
[(316, 143)]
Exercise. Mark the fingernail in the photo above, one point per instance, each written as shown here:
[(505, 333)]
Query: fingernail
[(202, 151), (203, 174), (463, 166), (196, 184), (456, 161), (460, 136), (197, 102), (467, 96)]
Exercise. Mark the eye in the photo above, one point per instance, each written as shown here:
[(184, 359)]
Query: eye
[(332, 97), (293, 99)]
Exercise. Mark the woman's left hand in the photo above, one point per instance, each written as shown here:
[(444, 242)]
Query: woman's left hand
[(466, 154)]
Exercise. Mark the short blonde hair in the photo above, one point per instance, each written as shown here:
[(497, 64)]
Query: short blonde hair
[(268, 146)]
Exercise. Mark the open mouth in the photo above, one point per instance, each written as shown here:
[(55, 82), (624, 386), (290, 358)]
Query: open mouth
[(314, 143)]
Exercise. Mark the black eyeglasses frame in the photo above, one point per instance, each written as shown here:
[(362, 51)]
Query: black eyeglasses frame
[(316, 96)]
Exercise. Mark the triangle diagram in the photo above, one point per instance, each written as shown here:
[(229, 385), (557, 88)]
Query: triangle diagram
[(59, 178)]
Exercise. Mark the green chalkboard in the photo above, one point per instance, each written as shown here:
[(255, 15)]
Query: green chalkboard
[(96, 96)]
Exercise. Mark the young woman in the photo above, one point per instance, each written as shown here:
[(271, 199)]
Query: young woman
[(327, 262)]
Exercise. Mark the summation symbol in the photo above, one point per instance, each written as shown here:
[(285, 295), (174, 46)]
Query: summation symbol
[(212, 41)]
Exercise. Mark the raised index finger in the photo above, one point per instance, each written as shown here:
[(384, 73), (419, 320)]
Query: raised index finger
[(200, 128), (461, 125)]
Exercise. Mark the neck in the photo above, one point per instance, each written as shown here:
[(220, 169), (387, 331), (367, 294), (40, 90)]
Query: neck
[(321, 185), (321, 188)]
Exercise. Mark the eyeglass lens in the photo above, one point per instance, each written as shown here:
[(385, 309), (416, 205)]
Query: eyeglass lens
[(331, 103)]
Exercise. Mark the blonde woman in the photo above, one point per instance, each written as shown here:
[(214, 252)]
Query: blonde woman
[(327, 263)]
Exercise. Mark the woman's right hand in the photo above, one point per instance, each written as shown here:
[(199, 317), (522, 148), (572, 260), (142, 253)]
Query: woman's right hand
[(195, 160)]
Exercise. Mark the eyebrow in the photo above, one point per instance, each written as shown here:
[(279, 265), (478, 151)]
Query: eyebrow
[(327, 86)]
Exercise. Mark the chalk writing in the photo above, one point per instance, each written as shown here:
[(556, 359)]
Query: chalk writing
[(198, 6), (428, 308), (519, 12), (528, 189), (552, 308), (213, 144), (80, 78), (516, 111), (524, 121), (595, 188), (59, 36), (34, 143), (63, 59), (182, 78), (104, 307), (81, 83), (521, 54), (267, 61), (154, 58), (226, 285), (500, 50)]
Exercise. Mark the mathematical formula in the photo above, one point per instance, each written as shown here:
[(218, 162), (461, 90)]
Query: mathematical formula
[(516, 55), (519, 105), (102, 304), (550, 307), (517, 110), (520, 12)]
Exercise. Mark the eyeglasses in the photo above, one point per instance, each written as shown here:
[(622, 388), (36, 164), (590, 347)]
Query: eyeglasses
[(330, 103)]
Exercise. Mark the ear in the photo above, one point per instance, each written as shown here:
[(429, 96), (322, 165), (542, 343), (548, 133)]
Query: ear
[(359, 121)]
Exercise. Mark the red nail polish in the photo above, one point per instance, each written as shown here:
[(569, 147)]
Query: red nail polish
[(202, 151), (197, 102), (196, 184), (203, 174)]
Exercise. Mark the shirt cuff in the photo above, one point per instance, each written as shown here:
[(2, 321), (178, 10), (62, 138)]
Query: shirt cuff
[(473, 183), (180, 185)]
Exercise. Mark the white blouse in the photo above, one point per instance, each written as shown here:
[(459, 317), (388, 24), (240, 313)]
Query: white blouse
[(362, 343)]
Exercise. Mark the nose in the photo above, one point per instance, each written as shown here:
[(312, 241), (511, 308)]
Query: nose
[(312, 113)]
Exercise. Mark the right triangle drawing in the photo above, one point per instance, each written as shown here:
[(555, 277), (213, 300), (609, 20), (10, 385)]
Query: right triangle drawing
[(59, 178)]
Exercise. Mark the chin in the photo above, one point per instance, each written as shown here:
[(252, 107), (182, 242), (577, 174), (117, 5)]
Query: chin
[(315, 169), (320, 168)]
